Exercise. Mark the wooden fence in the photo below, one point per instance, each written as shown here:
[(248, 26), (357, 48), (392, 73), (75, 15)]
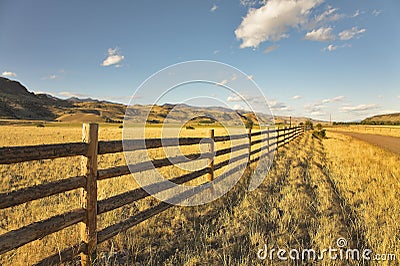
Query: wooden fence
[(90, 207)]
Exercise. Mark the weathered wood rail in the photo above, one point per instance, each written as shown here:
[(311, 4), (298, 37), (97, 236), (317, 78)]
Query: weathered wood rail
[(90, 208)]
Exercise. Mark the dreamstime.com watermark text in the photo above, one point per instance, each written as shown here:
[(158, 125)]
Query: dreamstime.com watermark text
[(340, 252)]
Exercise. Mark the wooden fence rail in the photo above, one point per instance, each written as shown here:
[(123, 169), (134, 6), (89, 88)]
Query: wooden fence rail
[(89, 149)]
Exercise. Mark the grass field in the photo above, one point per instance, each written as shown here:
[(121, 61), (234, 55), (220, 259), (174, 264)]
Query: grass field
[(316, 192), (366, 129)]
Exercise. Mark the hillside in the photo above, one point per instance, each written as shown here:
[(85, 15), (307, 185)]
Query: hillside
[(17, 103), (385, 119)]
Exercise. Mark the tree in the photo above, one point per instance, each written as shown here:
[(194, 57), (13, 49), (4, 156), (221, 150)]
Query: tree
[(309, 124)]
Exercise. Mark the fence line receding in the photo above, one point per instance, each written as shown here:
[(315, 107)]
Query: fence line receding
[(90, 207)]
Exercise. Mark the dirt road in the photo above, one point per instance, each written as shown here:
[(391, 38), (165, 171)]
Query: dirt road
[(386, 142)]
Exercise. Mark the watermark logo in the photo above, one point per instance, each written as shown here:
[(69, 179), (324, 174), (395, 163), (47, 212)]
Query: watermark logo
[(162, 108), (340, 252)]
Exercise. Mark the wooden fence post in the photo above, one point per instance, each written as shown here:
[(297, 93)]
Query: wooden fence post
[(284, 135), (211, 159), (89, 193), (277, 138), (249, 136)]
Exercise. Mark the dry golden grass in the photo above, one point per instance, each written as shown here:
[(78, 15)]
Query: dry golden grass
[(20, 175), (366, 129), (315, 192), (368, 178)]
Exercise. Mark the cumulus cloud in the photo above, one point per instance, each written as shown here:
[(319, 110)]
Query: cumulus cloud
[(296, 97), (272, 21), (245, 98), (318, 113), (238, 107), (350, 33), (331, 47), (322, 35), (9, 74), (113, 58), (359, 108), (278, 106), (271, 48), (234, 98), (335, 99), (318, 108), (314, 107), (213, 8)]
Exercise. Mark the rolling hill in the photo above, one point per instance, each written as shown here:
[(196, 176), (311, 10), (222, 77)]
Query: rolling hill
[(385, 119), (17, 103)]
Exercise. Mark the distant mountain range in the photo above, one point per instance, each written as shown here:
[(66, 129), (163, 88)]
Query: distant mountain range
[(17, 103)]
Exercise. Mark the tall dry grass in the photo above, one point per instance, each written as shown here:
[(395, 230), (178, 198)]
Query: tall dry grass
[(316, 192), (368, 178)]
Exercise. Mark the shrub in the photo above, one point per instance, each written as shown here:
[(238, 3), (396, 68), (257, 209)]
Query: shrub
[(320, 134), (249, 124)]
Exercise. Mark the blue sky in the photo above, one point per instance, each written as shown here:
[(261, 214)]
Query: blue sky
[(310, 58)]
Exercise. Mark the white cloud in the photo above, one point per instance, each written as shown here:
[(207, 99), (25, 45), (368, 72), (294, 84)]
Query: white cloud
[(272, 21), (351, 33), (245, 98), (250, 3), (9, 74), (73, 94), (237, 107), (318, 113), (322, 35), (51, 77), (250, 77), (234, 98), (331, 47), (356, 14), (376, 12), (216, 51), (329, 15), (398, 97), (113, 58), (296, 97), (271, 48), (359, 108), (213, 8), (314, 107), (335, 99), (278, 106), (222, 83)]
